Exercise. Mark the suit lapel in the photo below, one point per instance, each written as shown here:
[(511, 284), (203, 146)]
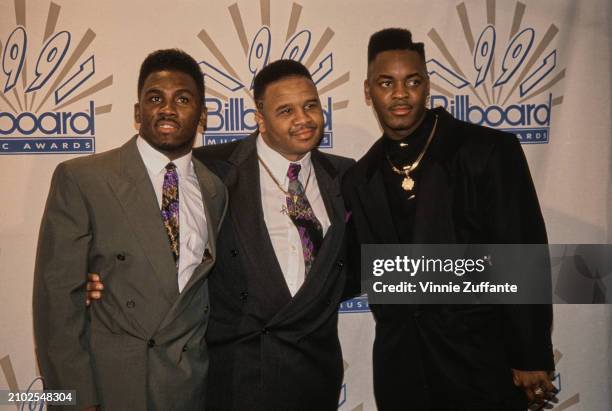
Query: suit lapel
[(213, 214), (136, 195), (329, 187), (247, 215), (373, 197)]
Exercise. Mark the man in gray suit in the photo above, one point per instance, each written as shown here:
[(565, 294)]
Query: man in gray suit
[(146, 216)]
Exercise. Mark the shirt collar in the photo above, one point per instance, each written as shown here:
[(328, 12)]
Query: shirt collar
[(156, 162), (279, 165)]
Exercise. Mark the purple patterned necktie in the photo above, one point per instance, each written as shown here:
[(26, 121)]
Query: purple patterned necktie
[(170, 209), (302, 215)]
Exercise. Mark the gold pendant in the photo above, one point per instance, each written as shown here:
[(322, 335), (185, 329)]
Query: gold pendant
[(408, 183)]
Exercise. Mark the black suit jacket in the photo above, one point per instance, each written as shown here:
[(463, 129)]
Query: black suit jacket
[(269, 351), (474, 189)]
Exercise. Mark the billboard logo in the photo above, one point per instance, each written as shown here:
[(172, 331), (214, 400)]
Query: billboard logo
[(47, 103), (231, 112), (509, 84)]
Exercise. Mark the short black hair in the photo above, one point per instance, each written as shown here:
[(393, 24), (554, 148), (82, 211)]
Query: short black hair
[(275, 71), (174, 60), (393, 39)]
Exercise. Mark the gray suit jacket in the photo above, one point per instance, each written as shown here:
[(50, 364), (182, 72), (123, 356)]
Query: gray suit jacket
[(142, 346)]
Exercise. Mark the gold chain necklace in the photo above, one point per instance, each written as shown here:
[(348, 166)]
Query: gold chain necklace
[(408, 182), (287, 193)]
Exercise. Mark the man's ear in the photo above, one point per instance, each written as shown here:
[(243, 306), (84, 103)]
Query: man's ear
[(202, 121), (261, 124), (366, 92), (137, 113)]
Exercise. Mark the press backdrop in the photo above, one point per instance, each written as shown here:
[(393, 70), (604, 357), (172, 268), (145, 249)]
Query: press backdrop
[(538, 68)]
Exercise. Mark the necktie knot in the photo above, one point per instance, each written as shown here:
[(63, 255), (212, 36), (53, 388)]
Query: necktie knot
[(294, 171), (170, 166)]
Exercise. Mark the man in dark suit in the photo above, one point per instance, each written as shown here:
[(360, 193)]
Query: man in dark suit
[(280, 275), (280, 271), (434, 179), (146, 216)]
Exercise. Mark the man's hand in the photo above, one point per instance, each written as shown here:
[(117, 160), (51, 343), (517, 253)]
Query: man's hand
[(94, 288), (537, 385)]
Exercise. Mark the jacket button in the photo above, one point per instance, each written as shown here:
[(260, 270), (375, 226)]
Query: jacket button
[(184, 348), (265, 331), (151, 343), (234, 252), (130, 304), (244, 295), (340, 264), (206, 308), (121, 257)]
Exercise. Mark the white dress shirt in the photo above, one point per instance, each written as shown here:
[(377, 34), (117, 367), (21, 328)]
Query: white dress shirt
[(283, 233), (193, 232)]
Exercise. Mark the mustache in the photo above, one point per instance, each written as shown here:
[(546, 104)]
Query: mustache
[(298, 129), (402, 104), (167, 119)]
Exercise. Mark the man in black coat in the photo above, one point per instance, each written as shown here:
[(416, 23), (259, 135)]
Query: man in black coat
[(273, 335), (434, 179)]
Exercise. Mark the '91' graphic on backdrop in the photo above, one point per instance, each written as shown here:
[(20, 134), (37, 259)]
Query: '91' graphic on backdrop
[(515, 55), (259, 57), (514, 58), (49, 60), (295, 49)]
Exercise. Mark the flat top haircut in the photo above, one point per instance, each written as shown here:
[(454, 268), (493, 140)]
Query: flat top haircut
[(275, 71), (171, 60), (393, 39)]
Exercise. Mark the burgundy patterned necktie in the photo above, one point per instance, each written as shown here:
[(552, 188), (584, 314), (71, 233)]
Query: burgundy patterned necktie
[(302, 215), (170, 209)]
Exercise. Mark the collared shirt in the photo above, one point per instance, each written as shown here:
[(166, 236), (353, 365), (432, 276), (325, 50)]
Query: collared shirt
[(283, 233), (193, 232)]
